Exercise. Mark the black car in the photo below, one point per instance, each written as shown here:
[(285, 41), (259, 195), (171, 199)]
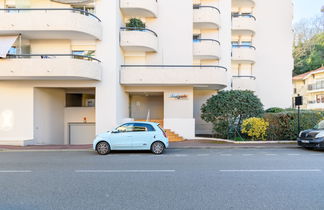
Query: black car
[(312, 138)]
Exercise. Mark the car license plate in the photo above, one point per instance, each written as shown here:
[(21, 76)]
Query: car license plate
[(305, 141)]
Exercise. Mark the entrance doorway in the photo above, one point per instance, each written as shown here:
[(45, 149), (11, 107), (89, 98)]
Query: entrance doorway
[(146, 106)]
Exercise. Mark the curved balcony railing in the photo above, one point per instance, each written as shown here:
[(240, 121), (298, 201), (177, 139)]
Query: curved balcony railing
[(244, 46), (50, 67), (205, 6), (138, 39), (79, 11), (244, 15), (206, 49), (138, 29), (51, 23), (52, 56), (211, 40), (206, 17), (244, 53), (209, 76), (176, 66), (244, 24), (245, 76)]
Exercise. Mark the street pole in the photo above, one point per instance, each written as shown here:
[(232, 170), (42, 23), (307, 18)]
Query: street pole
[(298, 119)]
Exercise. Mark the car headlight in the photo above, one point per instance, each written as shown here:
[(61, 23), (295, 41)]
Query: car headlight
[(320, 135), (300, 133)]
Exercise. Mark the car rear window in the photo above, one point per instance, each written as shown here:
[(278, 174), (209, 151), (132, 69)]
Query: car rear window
[(143, 127)]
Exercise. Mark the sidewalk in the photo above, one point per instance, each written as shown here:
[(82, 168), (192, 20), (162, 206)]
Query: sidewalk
[(188, 144)]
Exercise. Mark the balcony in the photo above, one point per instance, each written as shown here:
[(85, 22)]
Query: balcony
[(243, 24), (244, 83), (243, 4), (316, 87), (50, 23), (50, 67), (206, 17), (315, 106), (205, 77), (139, 8), (206, 49), (243, 54), (138, 39)]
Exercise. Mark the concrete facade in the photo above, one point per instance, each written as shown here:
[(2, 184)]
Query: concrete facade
[(81, 64)]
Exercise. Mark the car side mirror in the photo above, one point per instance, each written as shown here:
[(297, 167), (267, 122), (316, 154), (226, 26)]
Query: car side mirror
[(115, 131)]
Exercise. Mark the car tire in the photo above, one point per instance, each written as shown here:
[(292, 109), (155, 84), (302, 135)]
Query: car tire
[(157, 148), (103, 148)]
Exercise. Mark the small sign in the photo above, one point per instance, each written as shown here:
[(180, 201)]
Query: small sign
[(298, 101), (179, 96)]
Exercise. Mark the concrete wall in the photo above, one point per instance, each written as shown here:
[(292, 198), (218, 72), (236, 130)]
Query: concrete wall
[(274, 62), (49, 115), (16, 113)]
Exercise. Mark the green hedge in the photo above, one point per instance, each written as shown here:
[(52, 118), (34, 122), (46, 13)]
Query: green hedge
[(283, 125)]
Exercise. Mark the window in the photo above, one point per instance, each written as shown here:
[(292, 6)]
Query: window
[(235, 44), (79, 100), (246, 43), (195, 37), (143, 127), (128, 127), (80, 53)]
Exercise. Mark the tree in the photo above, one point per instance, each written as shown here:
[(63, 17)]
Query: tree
[(309, 55), (228, 109), (135, 23), (306, 28)]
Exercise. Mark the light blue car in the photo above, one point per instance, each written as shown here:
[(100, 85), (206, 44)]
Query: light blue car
[(132, 136)]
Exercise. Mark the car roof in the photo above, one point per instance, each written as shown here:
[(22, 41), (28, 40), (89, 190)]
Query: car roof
[(143, 122)]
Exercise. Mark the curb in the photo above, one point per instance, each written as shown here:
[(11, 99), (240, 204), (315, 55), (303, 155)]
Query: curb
[(175, 147)]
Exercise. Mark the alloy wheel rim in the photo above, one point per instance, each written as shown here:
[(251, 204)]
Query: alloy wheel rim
[(158, 148), (102, 147)]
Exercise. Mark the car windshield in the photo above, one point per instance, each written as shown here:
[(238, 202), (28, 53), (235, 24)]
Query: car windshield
[(320, 126)]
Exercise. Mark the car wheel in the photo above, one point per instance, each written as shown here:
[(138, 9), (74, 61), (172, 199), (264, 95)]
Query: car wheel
[(103, 148), (157, 147)]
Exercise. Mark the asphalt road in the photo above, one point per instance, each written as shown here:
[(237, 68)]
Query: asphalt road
[(179, 179)]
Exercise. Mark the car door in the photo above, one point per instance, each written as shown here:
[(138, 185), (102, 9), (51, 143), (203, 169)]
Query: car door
[(120, 138), (142, 136)]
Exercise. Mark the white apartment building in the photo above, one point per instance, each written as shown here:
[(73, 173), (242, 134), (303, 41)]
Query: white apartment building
[(71, 68)]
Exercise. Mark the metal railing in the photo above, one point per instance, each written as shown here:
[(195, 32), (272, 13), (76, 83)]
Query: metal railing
[(243, 15), (174, 66), (205, 6), (80, 11), (51, 56), (137, 29), (212, 40), (244, 76), (316, 86), (243, 46)]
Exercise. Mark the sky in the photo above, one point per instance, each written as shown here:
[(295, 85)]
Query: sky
[(307, 8)]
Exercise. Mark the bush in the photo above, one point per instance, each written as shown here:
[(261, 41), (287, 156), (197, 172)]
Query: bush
[(255, 128), (135, 23), (228, 109), (274, 110), (283, 126)]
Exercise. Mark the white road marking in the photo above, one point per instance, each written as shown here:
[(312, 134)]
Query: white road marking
[(275, 170), (181, 155), (270, 154), (248, 154), (125, 171), (202, 155), (225, 154), (293, 154), (15, 171)]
